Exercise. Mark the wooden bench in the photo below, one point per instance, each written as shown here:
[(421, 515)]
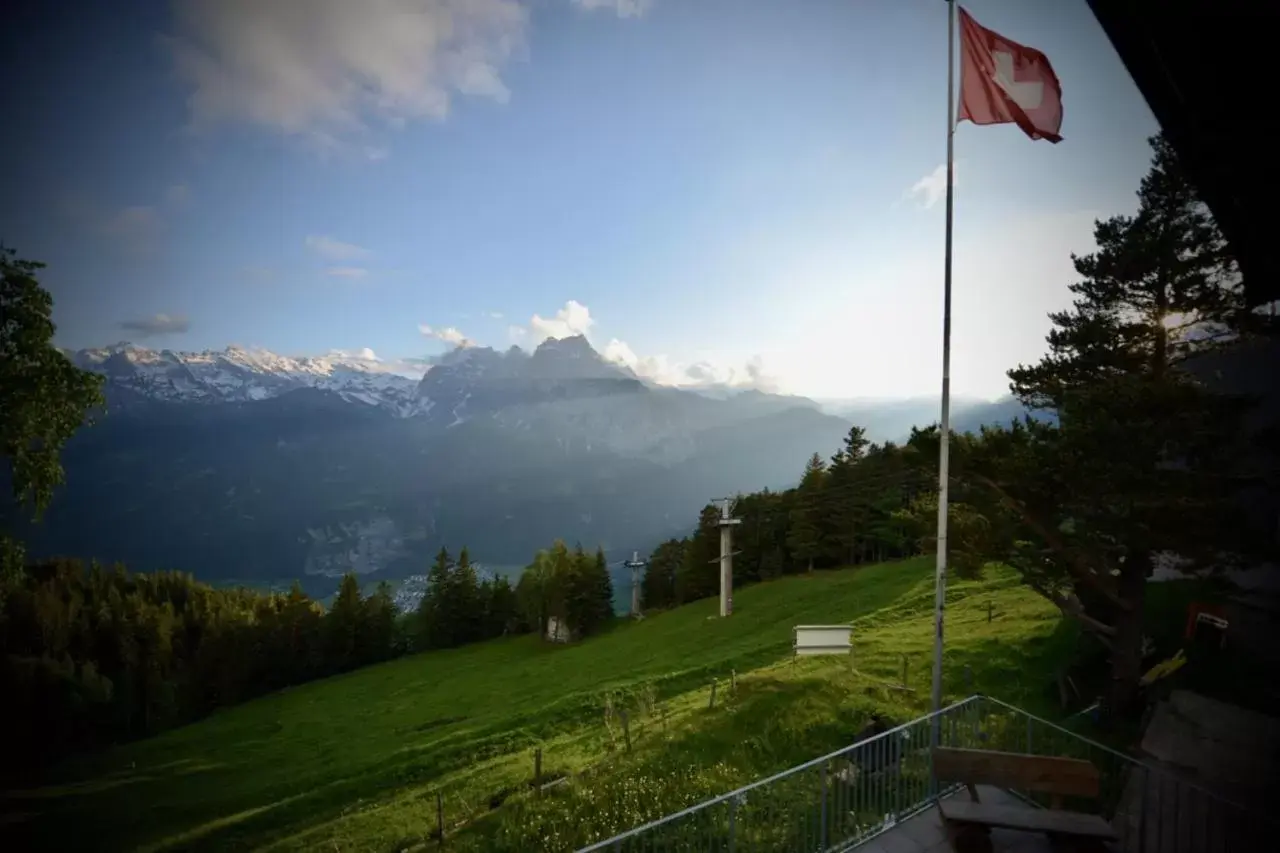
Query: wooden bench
[(1057, 777)]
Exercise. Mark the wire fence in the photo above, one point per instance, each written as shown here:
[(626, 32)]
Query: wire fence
[(844, 799)]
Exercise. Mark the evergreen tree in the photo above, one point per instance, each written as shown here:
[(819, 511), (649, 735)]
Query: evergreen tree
[(377, 636), (343, 623), (1145, 459), (845, 504), (805, 537), (604, 589), (699, 572), (583, 604), (501, 615), (658, 586), (435, 621), (466, 608)]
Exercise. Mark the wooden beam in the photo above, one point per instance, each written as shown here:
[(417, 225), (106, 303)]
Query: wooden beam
[(1027, 818), (1069, 777)]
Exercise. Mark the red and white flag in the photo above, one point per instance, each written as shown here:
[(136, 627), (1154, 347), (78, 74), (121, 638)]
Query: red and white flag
[(1003, 82)]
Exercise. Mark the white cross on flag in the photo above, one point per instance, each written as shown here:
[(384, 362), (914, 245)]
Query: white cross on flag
[(1003, 82)]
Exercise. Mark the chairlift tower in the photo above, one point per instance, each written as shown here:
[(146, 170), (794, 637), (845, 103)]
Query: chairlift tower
[(635, 564), (725, 560)]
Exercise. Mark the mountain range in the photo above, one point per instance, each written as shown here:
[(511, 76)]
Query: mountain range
[(247, 465)]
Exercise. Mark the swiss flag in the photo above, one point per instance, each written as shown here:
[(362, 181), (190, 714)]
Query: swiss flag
[(1004, 82)]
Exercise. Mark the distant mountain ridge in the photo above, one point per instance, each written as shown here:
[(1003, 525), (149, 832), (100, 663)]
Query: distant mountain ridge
[(249, 465)]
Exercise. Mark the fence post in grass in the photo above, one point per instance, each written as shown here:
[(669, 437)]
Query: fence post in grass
[(712, 703), (990, 606), (904, 670), (440, 818), (626, 729), (968, 679), (537, 770), (733, 681)]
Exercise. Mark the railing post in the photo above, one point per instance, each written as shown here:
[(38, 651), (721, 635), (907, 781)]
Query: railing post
[(823, 830), (1142, 811), (733, 815)]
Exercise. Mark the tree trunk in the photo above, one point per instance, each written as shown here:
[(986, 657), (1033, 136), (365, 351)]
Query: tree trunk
[(1126, 653)]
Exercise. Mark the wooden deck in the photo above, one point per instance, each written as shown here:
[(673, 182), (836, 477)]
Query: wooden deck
[(923, 833)]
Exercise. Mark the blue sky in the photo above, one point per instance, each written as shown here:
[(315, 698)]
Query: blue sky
[(720, 187)]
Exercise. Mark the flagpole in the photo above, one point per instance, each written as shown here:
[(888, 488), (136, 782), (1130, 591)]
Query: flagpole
[(940, 576)]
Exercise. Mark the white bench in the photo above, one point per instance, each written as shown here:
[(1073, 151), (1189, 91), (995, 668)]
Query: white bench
[(823, 640)]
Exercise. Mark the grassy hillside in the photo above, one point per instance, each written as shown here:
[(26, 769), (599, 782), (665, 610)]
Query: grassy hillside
[(354, 762)]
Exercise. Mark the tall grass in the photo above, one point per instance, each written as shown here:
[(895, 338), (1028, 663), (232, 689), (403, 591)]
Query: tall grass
[(355, 762)]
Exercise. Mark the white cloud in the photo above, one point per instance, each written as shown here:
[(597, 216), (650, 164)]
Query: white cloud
[(157, 324), (932, 188), (362, 354), (622, 8), (448, 335), (328, 69), (346, 272), (573, 319), (496, 315), (700, 374), (366, 359), (335, 250)]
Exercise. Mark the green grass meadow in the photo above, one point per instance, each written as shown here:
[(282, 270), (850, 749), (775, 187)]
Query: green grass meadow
[(355, 762)]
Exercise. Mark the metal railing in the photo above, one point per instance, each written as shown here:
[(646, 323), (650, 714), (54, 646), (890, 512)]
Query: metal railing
[(842, 800)]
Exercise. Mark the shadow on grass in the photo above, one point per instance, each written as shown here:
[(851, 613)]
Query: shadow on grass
[(1023, 674), (769, 725)]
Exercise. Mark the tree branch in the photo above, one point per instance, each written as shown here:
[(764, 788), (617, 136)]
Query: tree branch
[(1077, 568), (1072, 608)]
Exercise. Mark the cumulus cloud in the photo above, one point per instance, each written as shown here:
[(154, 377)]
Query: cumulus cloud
[(661, 370), (448, 335), (331, 68), (335, 250), (362, 354), (334, 71), (573, 319), (622, 8), (157, 324), (932, 188), (367, 360)]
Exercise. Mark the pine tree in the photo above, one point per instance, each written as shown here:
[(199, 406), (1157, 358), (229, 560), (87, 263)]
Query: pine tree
[(501, 614), (845, 511), (699, 573), (658, 586), (464, 602), (434, 620), (604, 589), (342, 623), (1143, 461), (805, 538)]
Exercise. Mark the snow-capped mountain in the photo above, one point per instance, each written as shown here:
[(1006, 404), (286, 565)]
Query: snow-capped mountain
[(237, 374), (257, 465)]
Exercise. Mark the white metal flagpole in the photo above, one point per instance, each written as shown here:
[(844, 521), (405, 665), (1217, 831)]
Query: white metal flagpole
[(940, 576)]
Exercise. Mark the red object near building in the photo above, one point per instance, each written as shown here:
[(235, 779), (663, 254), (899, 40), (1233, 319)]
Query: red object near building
[(1202, 612)]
